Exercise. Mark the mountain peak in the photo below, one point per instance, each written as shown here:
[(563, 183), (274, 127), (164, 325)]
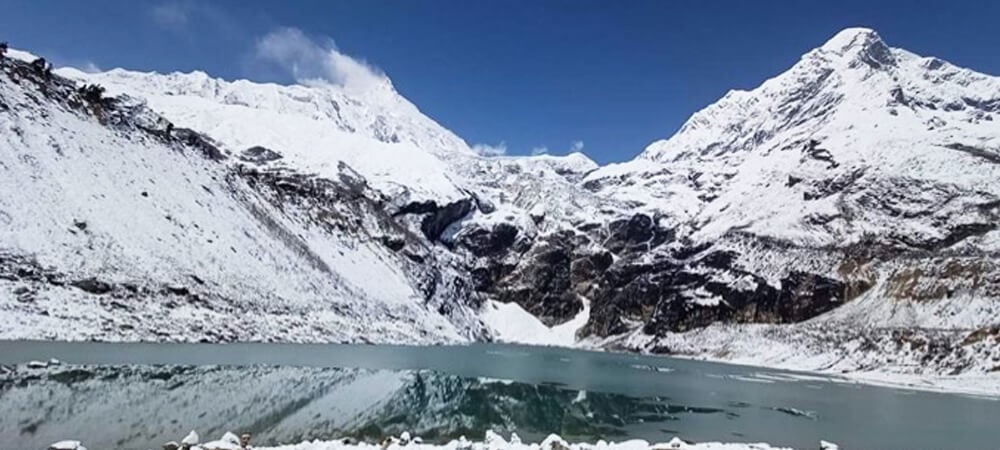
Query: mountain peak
[(860, 45), (850, 38)]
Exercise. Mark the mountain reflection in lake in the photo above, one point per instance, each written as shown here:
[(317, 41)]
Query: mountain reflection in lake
[(139, 395), (145, 406)]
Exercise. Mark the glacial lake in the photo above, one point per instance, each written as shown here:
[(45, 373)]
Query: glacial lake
[(137, 395)]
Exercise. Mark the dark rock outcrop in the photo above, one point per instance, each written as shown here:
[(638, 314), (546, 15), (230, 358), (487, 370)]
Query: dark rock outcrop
[(670, 295), (259, 155), (489, 242), (92, 285), (638, 233), (439, 219)]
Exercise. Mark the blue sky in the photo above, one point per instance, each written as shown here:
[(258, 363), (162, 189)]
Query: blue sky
[(607, 77)]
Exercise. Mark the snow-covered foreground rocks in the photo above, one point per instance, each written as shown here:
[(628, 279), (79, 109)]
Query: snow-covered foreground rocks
[(493, 441), (67, 445), (552, 443)]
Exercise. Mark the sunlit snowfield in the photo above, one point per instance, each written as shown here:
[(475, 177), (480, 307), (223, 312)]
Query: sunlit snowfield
[(142, 395)]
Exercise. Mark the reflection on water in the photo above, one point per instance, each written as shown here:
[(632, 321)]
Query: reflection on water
[(144, 406), (116, 398)]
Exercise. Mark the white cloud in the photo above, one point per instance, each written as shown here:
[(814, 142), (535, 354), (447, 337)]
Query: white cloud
[(490, 150), (309, 61), (576, 146)]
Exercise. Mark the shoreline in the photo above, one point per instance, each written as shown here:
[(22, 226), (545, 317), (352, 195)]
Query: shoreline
[(985, 386)]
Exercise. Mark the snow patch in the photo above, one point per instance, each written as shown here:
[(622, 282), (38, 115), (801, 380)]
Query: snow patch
[(513, 324)]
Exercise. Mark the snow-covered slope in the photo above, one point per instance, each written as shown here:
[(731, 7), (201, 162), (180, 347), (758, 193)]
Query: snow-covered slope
[(383, 136), (376, 131), (116, 225)]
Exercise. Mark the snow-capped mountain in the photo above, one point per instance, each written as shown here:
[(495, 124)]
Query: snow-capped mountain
[(118, 225), (857, 193), (849, 198), (858, 155), (853, 113)]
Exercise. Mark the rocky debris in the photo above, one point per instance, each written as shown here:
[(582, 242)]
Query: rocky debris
[(204, 144), (934, 279), (823, 188), (18, 267)]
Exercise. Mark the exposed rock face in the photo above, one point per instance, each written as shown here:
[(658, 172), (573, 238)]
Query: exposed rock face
[(489, 242), (543, 285), (438, 220), (636, 234)]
